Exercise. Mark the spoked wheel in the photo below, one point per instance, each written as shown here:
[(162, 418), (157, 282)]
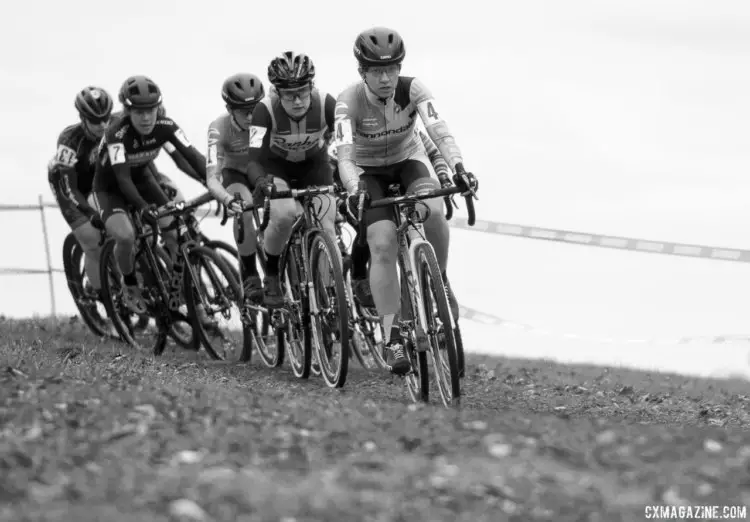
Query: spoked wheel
[(330, 319), (459, 342), (418, 379), (438, 327), (363, 337), (152, 336), (292, 323), (212, 294), (93, 311), (260, 330), (227, 252)]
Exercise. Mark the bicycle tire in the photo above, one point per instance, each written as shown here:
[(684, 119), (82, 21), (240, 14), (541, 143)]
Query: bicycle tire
[(231, 257), (201, 257), (299, 317), (320, 242), (459, 342), (428, 276), (73, 255), (418, 380)]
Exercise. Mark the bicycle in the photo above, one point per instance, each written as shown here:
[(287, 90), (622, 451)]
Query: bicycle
[(313, 322), (163, 281), (364, 327), (424, 302)]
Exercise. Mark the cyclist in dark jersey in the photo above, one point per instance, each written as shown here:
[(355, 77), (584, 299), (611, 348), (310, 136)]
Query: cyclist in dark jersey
[(71, 172), (123, 182)]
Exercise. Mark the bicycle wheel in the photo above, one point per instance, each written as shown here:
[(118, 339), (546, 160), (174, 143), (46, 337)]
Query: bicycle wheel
[(86, 301), (122, 318), (438, 326), (418, 379), (330, 315), (212, 294), (293, 324), (228, 253), (459, 342)]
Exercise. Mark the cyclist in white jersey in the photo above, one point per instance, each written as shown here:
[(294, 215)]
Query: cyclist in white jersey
[(374, 131)]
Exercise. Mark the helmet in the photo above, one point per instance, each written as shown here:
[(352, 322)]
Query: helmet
[(242, 90), (290, 70), (93, 104), (140, 92), (379, 46)]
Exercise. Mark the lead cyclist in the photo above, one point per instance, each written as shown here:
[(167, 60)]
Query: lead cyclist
[(360, 254), (376, 143)]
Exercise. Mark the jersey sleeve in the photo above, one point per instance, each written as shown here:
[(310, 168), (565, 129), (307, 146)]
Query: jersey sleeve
[(433, 153), (214, 159), (115, 154), (64, 162), (436, 127), (192, 156), (260, 142), (344, 129)]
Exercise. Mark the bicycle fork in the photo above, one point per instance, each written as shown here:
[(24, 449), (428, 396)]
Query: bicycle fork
[(410, 238)]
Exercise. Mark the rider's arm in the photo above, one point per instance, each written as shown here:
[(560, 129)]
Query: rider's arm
[(260, 142), (64, 162), (151, 189), (433, 153), (192, 155), (437, 129), (214, 160), (180, 161), (121, 170), (345, 146)]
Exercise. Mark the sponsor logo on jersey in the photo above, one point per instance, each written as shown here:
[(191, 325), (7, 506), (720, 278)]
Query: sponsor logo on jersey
[(391, 132), (299, 142)]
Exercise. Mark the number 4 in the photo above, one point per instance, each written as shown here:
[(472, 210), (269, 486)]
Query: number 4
[(431, 111)]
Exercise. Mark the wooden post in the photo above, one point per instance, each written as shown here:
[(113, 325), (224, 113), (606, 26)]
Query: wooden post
[(49, 258)]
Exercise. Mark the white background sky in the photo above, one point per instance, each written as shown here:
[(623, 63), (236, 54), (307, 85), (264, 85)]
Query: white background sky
[(618, 117)]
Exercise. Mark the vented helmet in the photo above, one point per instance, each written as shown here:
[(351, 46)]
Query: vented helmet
[(242, 90), (290, 70), (379, 46), (93, 104), (140, 92)]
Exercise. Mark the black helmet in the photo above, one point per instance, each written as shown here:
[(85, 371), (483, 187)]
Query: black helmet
[(93, 104), (379, 46), (290, 70), (140, 92), (242, 90)]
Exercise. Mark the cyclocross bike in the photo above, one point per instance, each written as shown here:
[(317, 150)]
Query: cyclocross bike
[(426, 322)]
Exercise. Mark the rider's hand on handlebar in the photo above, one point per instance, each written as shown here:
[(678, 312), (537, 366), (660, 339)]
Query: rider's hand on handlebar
[(465, 180), (96, 221), (234, 206), (263, 189), (445, 180), (354, 199)]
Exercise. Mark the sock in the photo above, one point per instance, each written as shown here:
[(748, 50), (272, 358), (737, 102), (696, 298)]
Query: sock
[(391, 328), (249, 267), (360, 257), (130, 279), (272, 267)]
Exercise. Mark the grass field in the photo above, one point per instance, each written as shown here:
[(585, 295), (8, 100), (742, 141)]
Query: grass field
[(91, 430)]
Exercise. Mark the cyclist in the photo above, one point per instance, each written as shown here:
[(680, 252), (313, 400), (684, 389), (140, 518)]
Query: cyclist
[(288, 150), (376, 143), (123, 181), (227, 161), (71, 172), (361, 253)]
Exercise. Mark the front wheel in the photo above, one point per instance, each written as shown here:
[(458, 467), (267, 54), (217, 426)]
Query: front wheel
[(329, 310), (293, 321), (438, 325), (91, 309)]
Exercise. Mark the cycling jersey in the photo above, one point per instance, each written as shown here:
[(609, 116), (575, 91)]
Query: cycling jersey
[(124, 153), (277, 141), (228, 144), (71, 172), (371, 132)]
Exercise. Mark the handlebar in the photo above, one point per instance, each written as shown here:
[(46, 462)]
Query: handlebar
[(412, 198)]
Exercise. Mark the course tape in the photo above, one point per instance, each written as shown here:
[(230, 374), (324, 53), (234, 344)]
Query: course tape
[(559, 235), (598, 240), (477, 316)]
